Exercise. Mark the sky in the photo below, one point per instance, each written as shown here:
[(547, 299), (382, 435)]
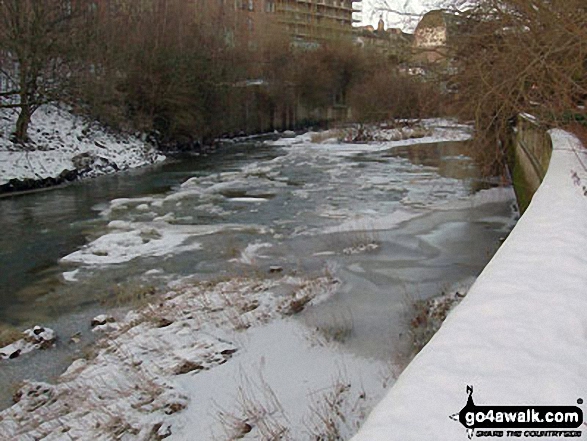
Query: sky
[(372, 9)]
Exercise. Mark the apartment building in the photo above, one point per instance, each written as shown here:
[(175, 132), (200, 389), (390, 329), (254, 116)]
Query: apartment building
[(316, 20), (309, 21)]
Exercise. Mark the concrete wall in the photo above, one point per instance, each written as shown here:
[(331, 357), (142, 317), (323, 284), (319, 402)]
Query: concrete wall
[(252, 110), (531, 152)]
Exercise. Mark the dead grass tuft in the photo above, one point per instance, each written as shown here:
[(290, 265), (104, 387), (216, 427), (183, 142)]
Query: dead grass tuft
[(130, 294), (320, 137), (336, 329), (336, 412), (8, 335), (258, 409), (428, 316)]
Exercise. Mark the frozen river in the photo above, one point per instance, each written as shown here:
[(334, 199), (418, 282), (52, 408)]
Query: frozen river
[(393, 223)]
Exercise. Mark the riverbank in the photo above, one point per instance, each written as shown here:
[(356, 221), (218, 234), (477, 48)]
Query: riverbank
[(519, 336), (129, 385), (64, 147)]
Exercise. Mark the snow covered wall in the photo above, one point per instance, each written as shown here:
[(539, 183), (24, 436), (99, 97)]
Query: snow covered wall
[(520, 335)]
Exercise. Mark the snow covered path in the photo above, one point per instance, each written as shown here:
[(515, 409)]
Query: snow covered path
[(519, 337)]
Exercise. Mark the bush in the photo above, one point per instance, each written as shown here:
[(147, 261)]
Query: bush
[(516, 56), (387, 94)]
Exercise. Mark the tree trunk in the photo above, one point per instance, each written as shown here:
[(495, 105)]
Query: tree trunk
[(24, 117), (22, 124)]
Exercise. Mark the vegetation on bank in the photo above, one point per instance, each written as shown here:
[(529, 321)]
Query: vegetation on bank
[(188, 72), (184, 72), (428, 316), (519, 56)]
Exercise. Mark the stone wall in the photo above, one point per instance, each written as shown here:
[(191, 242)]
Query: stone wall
[(531, 151)]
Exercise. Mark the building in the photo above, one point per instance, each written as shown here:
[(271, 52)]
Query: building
[(432, 37), (316, 20), (305, 21), (391, 42)]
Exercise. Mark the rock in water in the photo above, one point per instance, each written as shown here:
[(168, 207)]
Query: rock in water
[(42, 337), (102, 319)]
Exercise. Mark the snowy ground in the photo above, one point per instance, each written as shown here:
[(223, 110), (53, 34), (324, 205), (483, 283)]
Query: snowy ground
[(144, 370), (519, 337), (61, 141)]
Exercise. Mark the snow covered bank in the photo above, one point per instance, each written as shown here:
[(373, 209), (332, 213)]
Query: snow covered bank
[(429, 131), (520, 335), (147, 367), (64, 147)]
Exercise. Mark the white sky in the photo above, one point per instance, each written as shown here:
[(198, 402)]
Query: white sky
[(372, 11)]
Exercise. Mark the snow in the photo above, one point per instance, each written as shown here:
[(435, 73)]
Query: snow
[(141, 241), (361, 248), (420, 187), (373, 223), (289, 141), (126, 241), (71, 276), (150, 226), (296, 371), (147, 366), (185, 352), (245, 199), (35, 338), (519, 336), (102, 319), (439, 130), (57, 137), (250, 254)]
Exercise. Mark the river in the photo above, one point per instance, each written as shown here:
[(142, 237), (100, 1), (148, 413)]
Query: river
[(394, 224)]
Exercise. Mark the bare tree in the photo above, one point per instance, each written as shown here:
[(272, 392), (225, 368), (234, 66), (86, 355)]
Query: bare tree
[(517, 56), (33, 37)]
